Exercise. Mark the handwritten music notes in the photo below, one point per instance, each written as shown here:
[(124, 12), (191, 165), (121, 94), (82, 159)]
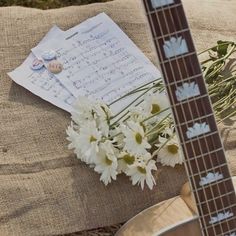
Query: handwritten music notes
[(42, 83), (99, 61)]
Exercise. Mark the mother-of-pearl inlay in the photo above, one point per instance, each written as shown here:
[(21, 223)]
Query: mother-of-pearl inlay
[(233, 234), (187, 90), (220, 217), (211, 177), (160, 3), (197, 129), (175, 46)]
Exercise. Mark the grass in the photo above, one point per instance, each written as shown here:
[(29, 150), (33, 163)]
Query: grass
[(46, 4)]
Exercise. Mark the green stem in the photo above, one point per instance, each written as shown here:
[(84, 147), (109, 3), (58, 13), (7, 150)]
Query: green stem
[(136, 90), (156, 114)]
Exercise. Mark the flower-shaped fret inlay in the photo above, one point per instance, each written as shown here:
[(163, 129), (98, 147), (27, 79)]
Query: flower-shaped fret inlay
[(220, 217), (197, 129), (210, 178), (187, 90), (233, 234), (175, 47), (160, 3)]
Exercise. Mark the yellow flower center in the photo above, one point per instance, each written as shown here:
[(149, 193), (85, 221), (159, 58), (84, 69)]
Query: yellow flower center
[(128, 159), (155, 109), (92, 139), (172, 148), (138, 138), (108, 161), (142, 170)]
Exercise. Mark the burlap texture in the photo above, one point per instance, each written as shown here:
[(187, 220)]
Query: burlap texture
[(44, 190)]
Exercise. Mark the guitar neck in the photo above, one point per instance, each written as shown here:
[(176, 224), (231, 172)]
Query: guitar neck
[(194, 117)]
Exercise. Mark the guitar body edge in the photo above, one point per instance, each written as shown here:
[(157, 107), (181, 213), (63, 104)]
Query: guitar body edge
[(173, 217)]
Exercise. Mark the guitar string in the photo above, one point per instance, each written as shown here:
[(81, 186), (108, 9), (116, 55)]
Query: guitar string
[(179, 69), (213, 143), (182, 109), (217, 158), (154, 30)]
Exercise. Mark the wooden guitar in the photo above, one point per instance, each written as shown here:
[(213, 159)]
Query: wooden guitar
[(213, 210)]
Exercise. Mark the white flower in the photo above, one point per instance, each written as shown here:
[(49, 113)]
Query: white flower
[(87, 110), (137, 113), (124, 160), (169, 154), (73, 137), (106, 162), (141, 171), (88, 139), (117, 137), (103, 115), (155, 103), (168, 131), (83, 110), (135, 140)]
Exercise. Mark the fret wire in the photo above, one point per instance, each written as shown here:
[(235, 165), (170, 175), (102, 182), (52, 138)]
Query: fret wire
[(228, 232), (197, 112), (206, 154), (171, 65), (176, 58), (198, 140), (195, 119), (223, 195), (212, 184), (161, 10), (185, 80), (211, 107), (216, 212), (203, 172), (200, 136), (220, 222), (189, 100), (171, 94), (166, 35)]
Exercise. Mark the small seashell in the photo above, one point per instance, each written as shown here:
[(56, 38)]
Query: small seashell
[(37, 64), (55, 67), (49, 55)]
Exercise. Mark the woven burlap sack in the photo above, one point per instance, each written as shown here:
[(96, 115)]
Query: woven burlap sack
[(44, 189)]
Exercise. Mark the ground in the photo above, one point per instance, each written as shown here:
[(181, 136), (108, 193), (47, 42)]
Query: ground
[(46, 4)]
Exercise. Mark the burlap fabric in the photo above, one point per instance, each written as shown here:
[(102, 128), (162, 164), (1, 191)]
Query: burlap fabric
[(44, 190)]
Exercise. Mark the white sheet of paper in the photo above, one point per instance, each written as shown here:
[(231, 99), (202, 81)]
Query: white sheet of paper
[(41, 82), (99, 61)]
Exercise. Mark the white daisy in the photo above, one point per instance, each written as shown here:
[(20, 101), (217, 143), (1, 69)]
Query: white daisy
[(137, 113), (83, 110), (106, 162), (103, 116), (89, 138), (73, 138), (155, 103), (125, 159), (141, 171), (117, 137), (169, 154), (135, 140)]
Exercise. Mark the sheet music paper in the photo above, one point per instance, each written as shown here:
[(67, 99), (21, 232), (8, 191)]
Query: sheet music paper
[(99, 60), (42, 83)]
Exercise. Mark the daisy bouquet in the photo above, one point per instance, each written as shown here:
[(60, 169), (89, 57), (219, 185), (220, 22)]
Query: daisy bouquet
[(134, 140), (127, 142)]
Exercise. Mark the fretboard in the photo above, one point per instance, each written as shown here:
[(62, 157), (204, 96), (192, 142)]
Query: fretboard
[(194, 118)]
